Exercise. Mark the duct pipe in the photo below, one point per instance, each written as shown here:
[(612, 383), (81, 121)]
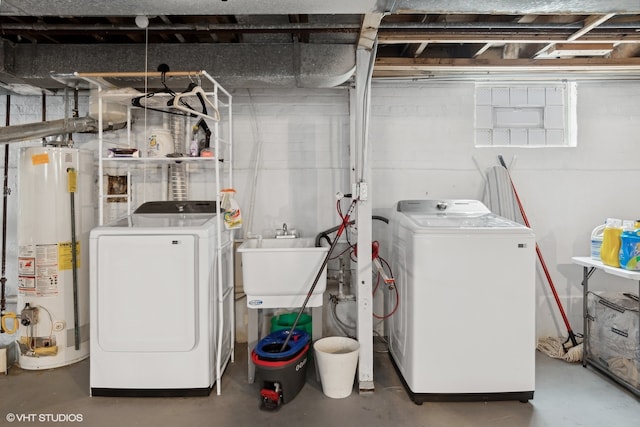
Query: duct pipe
[(12, 28), (18, 133)]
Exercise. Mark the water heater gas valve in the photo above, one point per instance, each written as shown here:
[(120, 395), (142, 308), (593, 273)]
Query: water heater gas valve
[(29, 315)]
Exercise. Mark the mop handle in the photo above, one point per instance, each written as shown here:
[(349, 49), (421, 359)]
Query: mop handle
[(343, 226), (541, 258)]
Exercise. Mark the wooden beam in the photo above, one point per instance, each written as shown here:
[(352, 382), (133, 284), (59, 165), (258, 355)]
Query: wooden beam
[(369, 30), (589, 24), (416, 51), (482, 50), (455, 64), (583, 49), (495, 37)]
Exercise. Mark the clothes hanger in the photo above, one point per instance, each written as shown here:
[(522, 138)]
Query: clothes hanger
[(196, 90)]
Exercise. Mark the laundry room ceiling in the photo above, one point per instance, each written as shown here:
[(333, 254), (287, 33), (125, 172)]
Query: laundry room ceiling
[(312, 43)]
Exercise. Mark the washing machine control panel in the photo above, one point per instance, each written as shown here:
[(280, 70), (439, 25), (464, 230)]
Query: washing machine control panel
[(471, 207)]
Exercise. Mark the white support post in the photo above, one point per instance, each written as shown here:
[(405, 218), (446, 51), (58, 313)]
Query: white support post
[(361, 177)]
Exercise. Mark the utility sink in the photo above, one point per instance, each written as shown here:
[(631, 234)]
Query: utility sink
[(280, 272)]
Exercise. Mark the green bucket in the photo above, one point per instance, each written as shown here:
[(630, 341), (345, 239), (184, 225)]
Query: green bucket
[(285, 321)]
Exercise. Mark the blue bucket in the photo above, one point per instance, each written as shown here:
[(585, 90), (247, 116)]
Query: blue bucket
[(269, 347)]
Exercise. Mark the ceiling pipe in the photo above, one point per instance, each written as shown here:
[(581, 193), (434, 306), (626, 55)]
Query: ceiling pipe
[(29, 131), (7, 28), (198, 27), (504, 26)]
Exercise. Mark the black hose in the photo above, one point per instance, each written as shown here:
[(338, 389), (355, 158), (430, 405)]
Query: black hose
[(343, 226), (325, 234)]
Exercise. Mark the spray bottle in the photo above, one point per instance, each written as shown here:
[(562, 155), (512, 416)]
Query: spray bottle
[(232, 216)]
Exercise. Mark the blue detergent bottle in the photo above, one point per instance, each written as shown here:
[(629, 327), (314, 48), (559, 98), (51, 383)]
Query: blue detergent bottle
[(630, 250)]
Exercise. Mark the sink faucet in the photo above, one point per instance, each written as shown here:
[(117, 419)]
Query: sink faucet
[(285, 233)]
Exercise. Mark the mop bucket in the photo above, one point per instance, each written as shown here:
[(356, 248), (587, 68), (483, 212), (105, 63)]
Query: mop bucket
[(283, 373), (337, 359)]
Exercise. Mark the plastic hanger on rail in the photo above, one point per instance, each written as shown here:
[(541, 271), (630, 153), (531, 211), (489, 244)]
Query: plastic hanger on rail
[(204, 101), (163, 68)]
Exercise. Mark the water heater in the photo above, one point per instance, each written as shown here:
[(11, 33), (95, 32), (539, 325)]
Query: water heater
[(56, 212)]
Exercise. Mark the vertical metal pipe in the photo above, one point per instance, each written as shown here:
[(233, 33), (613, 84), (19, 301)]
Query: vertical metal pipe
[(44, 114), (72, 183), (74, 114), (5, 194)]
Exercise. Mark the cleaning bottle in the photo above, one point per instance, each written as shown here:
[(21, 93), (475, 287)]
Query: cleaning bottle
[(231, 215), (596, 242), (610, 249), (630, 249)]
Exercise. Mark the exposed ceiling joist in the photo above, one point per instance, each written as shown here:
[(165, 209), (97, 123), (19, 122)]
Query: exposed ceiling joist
[(255, 43), (451, 64), (589, 24), (369, 30)]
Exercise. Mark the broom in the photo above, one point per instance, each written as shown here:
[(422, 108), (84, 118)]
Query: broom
[(553, 347)]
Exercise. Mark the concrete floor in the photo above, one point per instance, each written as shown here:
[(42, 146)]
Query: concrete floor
[(566, 395)]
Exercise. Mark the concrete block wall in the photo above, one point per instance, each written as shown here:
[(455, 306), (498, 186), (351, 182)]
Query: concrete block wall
[(301, 141), (422, 140)]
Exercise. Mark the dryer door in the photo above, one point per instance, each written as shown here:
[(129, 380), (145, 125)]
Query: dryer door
[(146, 293)]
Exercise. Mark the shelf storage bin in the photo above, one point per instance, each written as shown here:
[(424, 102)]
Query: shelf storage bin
[(613, 334)]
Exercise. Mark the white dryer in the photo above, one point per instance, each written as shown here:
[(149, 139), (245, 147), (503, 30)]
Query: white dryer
[(156, 328), (465, 324)]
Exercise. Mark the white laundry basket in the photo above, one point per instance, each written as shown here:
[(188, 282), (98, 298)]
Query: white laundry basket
[(337, 359)]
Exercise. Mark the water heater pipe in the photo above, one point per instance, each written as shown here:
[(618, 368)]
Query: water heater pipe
[(3, 280), (72, 184), (26, 132), (44, 113)]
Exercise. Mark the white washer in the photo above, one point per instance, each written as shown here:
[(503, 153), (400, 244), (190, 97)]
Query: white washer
[(465, 325), (154, 302)]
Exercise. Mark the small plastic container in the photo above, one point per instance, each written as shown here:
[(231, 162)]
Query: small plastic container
[(596, 242), (160, 143)]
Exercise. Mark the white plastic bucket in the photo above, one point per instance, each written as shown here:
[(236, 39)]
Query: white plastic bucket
[(337, 359), (596, 241)]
